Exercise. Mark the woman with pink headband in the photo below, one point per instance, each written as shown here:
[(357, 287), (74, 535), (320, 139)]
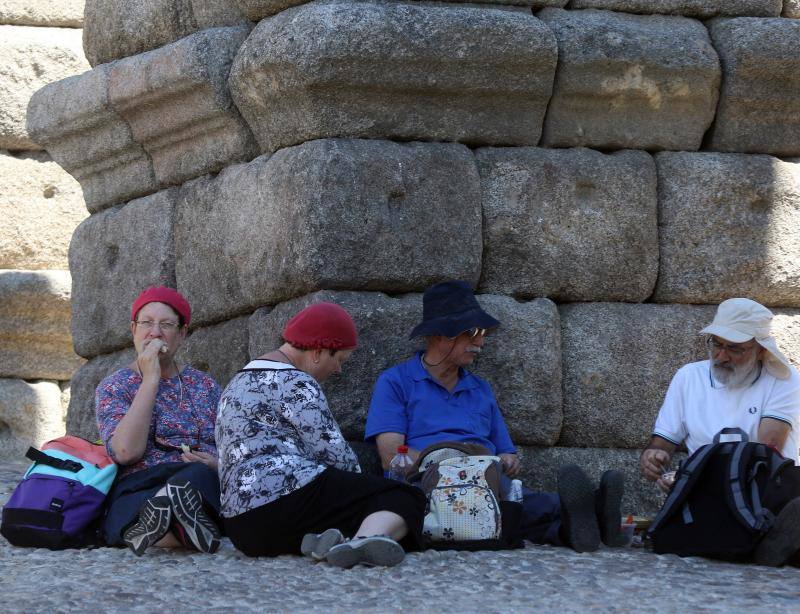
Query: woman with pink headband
[(290, 482), (156, 419)]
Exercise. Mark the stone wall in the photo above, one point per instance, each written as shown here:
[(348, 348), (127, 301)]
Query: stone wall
[(40, 207), (604, 172)]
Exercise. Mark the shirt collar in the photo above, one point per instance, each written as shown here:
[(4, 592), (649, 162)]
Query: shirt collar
[(466, 381)]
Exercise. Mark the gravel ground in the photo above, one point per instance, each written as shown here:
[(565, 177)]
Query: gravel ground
[(538, 577)]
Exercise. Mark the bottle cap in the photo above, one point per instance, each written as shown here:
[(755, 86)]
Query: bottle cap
[(402, 449)]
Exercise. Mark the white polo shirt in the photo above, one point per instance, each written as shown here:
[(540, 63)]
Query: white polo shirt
[(696, 407)]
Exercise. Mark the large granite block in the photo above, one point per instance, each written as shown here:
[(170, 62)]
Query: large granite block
[(40, 206), (29, 59), (256, 10), (117, 29), (728, 226), (553, 224), (791, 9), (178, 107), (630, 81), (690, 8), (400, 71), (81, 417), (336, 214), (758, 105), (521, 358), (55, 13), (147, 122), (30, 414), (74, 121), (34, 325), (540, 467), (114, 255), (618, 361), (219, 350)]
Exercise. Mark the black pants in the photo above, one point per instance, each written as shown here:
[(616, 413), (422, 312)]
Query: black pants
[(334, 499)]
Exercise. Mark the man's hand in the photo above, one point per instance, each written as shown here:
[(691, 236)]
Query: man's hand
[(653, 463), (510, 464), (196, 456)]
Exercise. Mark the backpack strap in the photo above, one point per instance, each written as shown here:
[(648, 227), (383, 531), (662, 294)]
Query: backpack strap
[(57, 463), (687, 476), (746, 462)]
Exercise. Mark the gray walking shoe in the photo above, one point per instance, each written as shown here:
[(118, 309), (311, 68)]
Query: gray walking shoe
[(187, 505), (608, 502), (783, 539), (317, 545), (152, 524), (377, 550), (578, 517)]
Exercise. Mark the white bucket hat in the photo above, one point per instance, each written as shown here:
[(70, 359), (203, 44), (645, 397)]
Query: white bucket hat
[(738, 320)]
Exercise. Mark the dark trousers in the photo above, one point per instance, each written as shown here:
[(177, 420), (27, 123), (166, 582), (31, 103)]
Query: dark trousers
[(131, 491), (334, 499), (541, 514)]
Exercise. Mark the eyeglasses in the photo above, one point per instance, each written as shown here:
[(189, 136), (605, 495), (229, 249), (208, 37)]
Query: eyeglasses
[(472, 333), (167, 326), (735, 350)]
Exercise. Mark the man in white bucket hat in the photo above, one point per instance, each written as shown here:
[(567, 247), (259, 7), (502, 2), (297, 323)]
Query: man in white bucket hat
[(746, 383)]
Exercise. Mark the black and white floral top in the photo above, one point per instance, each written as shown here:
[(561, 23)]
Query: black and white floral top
[(274, 433)]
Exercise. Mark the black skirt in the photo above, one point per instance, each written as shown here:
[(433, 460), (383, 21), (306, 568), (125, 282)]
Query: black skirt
[(334, 499)]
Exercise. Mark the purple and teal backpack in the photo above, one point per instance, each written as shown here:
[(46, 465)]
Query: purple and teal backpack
[(59, 502)]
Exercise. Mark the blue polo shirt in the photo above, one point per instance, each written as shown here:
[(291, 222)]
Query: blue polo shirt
[(408, 400)]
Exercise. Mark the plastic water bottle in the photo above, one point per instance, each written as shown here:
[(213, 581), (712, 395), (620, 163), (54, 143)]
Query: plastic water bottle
[(399, 465)]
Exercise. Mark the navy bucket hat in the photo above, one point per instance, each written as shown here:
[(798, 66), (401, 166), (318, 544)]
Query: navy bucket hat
[(449, 309)]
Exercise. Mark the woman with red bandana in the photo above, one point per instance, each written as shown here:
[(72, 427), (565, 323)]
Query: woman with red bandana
[(290, 482), (156, 419)]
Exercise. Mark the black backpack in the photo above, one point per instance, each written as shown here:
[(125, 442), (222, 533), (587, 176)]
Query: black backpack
[(724, 499)]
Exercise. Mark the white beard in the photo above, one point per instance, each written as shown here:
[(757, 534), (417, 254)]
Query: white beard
[(736, 377)]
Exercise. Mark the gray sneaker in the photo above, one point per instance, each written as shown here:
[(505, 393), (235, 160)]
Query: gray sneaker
[(377, 550), (317, 545), (579, 526), (187, 507), (783, 539), (153, 523)]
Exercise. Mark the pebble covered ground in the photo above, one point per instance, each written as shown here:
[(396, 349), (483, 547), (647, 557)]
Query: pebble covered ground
[(538, 577)]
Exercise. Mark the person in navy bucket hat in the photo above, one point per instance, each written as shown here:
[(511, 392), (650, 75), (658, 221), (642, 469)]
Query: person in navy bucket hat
[(450, 308), (432, 398)]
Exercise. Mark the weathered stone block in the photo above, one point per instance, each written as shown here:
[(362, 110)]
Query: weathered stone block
[(30, 58), (81, 417), (335, 214), (157, 119), (728, 227), (34, 325), (55, 13), (40, 206), (690, 8), (618, 361), (177, 104), (400, 71), (791, 9), (540, 467), (74, 121), (256, 10), (521, 359), (553, 224), (114, 255), (786, 330), (630, 81), (220, 350), (30, 414), (117, 29), (758, 109)]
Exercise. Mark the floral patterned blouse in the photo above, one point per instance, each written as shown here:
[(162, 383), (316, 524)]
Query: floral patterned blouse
[(275, 434), (184, 413)]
